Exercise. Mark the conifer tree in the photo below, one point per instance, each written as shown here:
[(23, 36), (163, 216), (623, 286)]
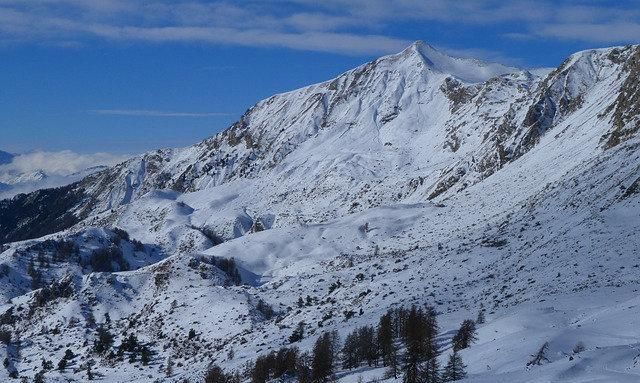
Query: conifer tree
[(420, 330), (540, 356), (103, 341), (297, 334), (455, 369), (39, 377), (368, 346), (145, 355), (465, 335), (324, 353), (215, 374), (350, 351), (386, 344), (168, 370), (480, 319)]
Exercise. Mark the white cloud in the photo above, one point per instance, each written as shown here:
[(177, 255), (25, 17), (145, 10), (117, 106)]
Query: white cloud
[(601, 33), (340, 26), (61, 163), (154, 113), (37, 170)]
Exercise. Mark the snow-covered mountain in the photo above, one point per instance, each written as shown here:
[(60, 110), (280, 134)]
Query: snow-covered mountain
[(415, 178), (26, 172)]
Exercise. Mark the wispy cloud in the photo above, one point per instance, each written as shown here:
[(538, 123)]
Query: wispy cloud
[(154, 113), (340, 26)]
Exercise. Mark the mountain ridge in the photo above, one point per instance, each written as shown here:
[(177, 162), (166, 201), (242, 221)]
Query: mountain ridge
[(243, 149), (390, 185)]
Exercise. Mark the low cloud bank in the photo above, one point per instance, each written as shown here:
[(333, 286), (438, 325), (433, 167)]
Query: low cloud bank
[(42, 169)]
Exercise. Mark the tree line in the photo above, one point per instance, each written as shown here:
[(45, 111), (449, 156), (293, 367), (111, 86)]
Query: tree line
[(404, 342)]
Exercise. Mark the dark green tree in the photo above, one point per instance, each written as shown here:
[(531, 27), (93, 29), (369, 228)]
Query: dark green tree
[(324, 356), (145, 355), (465, 335), (386, 344), (455, 369), (297, 334), (104, 340), (480, 319)]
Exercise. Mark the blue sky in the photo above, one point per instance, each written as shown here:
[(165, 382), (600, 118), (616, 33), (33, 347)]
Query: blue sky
[(125, 76)]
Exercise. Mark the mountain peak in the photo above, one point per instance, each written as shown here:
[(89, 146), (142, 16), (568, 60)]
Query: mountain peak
[(465, 69)]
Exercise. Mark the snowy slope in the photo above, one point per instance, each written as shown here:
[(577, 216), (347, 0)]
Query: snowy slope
[(416, 178)]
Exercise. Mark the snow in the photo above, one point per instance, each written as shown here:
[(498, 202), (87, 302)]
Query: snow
[(532, 219)]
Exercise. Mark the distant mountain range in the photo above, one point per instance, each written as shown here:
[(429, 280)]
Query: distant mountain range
[(15, 180)]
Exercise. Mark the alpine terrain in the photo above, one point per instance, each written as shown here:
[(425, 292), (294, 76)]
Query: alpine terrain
[(416, 219)]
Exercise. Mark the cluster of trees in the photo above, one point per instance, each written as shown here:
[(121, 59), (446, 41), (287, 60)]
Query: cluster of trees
[(123, 235), (103, 345), (360, 346), (61, 250), (265, 309), (412, 330), (215, 374), (275, 365), (57, 289), (298, 333), (68, 356), (103, 260), (228, 265), (306, 302)]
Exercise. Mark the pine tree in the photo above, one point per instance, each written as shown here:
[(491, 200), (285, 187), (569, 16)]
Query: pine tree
[(47, 365), (303, 368), (145, 355), (540, 356), (386, 344), (480, 319), (420, 331), (262, 367), (368, 346), (168, 370), (285, 362), (323, 362), (350, 354), (465, 335), (231, 354), (104, 340), (215, 374), (39, 377), (455, 369), (68, 354), (297, 334)]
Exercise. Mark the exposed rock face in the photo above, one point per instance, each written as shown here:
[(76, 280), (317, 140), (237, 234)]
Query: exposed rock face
[(626, 114)]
